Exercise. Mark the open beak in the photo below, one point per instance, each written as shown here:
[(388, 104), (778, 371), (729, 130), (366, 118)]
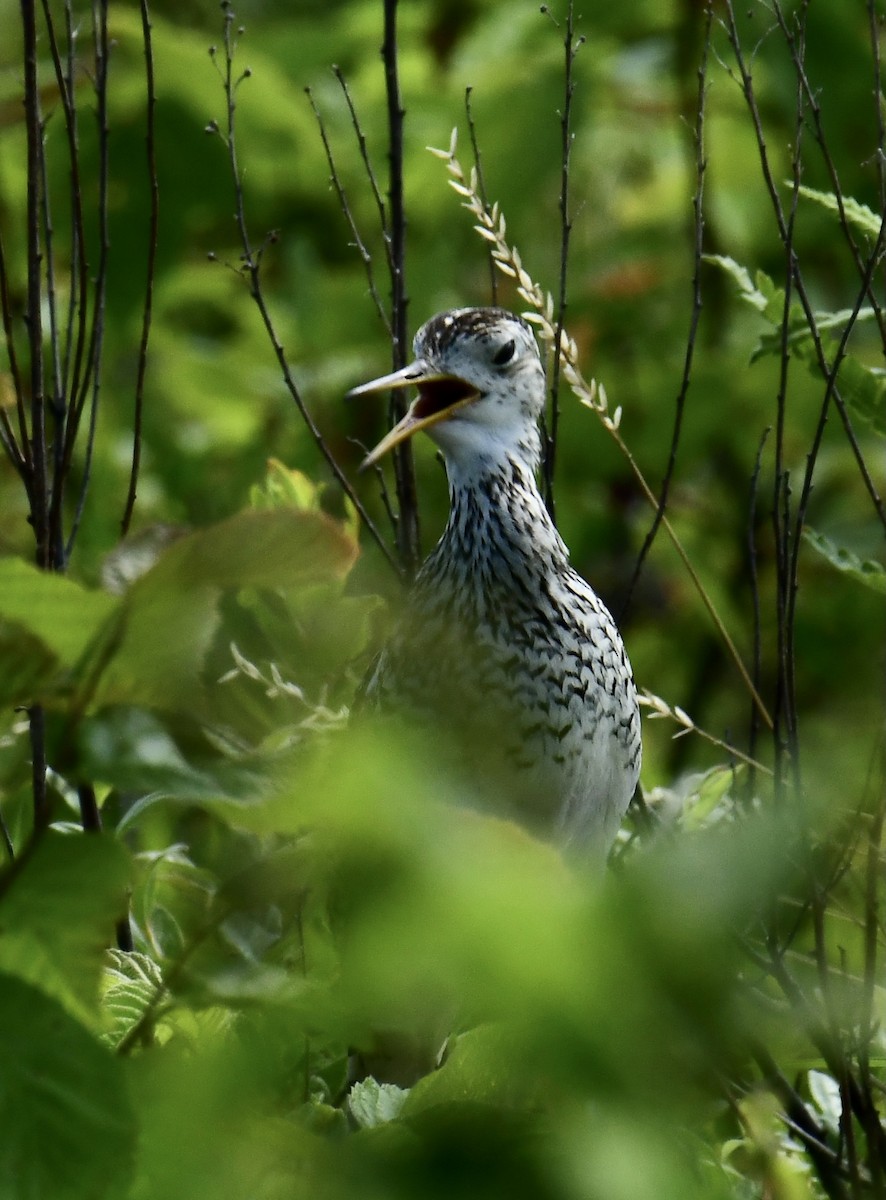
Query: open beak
[(439, 396)]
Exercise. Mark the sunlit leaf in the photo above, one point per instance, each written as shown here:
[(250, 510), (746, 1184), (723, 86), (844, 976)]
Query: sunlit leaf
[(372, 1104)]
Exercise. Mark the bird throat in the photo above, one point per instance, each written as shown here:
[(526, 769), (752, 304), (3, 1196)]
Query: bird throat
[(436, 395)]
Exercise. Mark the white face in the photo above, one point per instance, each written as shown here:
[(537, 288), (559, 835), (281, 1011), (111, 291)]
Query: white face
[(496, 354), (481, 389)]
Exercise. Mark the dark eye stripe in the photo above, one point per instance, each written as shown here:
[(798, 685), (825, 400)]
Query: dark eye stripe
[(505, 354)]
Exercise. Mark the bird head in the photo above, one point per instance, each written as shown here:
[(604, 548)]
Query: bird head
[(481, 387)]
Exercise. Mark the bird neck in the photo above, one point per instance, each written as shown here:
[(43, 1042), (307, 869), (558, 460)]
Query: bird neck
[(498, 523)]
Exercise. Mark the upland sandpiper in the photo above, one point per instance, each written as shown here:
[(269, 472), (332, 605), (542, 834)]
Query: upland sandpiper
[(502, 649)]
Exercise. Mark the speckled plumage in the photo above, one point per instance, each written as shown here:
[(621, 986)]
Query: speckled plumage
[(501, 643)]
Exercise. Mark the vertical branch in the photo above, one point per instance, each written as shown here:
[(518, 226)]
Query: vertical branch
[(695, 314), (756, 665), (93, 377), (570, 50), (56, 399), (147, 310), (34, 132), (38, 495), (78, 298), (343, 202), (408, 539), (16, 447), (784, 709), (481, 191)]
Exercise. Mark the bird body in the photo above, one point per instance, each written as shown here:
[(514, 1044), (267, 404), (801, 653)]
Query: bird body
[(502, 645)]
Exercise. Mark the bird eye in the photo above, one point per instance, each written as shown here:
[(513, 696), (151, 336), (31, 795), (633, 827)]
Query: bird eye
[(505, 354)]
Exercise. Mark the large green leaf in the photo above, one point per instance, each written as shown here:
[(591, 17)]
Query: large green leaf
[(57, 916), (64, 616), (171, 612), (277, 548), (68, 1128)]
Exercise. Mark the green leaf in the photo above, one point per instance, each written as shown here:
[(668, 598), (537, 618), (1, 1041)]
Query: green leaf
[(857, 214), (753, 294), (277, 548), (58, 909), (64, 616), (864, 390), (872, 574), (706, 795), (372, 1104), (132, 982), (68, 1128), (171, 613), (480, 1067)]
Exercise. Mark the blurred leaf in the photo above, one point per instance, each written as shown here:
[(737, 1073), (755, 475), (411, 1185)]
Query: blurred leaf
[(57, 914), (171, 613), (64, 616), (28, 665), (279, 547), (135, 751), (825, 1093), (68, 1127), (867, 571), (706, 794), (284, 487), (482, 1066)]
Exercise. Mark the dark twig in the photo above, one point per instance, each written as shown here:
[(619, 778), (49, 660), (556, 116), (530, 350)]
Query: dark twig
[(37, 430), (56, 398), (408, 536), (335, 179), (481, 190), (251, 260), (695, 314), (153, 229), (78, 298), (17, 447), (756, 666), (571, 47), (92, 382)]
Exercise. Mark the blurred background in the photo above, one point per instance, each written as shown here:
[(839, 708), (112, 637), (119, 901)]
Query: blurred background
[(630, 1064)]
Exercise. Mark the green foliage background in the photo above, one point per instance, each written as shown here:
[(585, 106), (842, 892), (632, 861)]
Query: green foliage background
[(296, 885)]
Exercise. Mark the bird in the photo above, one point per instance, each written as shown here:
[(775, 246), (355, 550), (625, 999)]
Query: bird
[(502, 648)]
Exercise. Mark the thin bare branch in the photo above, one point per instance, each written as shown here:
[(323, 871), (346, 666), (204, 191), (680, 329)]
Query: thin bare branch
[(481, 188), (408, 535), (571, 46), (347, 213), (153, 233), (367, 164), (251, 260), (39, 497)]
